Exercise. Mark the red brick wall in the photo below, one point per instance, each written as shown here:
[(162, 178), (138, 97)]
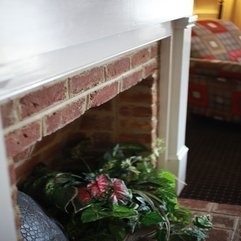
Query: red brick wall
[(129, 117), (29, 119)]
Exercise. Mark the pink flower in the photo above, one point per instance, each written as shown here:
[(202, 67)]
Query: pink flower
[(100, 187), (103, 183), (84, 195), (120, 193)]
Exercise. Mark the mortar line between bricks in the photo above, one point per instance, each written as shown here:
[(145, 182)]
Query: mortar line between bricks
[(43, 127), (41, 114), (10, 161), (212, 206), (236, 226), (67, 88), (150, 61), (132, 71), (119, 90), (13, 188), (19, 163), (139, 68), (121, 85)]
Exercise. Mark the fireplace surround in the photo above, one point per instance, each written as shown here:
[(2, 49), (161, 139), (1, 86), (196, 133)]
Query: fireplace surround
[(44, 89), (123, 111)]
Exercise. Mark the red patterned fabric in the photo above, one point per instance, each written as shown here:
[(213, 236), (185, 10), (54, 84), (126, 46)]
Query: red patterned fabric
[(198, 95), (235, 55), (215, 70), (213, 25), (216, 39), (236, 103)]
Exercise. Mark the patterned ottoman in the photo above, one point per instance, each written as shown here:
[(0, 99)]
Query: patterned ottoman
[(215, 70)]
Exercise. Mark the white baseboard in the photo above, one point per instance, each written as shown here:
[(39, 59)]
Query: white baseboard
[(177, 165)]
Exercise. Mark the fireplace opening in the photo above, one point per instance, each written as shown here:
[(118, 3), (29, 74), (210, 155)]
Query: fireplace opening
[(130, 117)]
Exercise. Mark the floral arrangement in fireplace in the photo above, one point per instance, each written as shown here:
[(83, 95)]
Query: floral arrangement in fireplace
[(125, 194)]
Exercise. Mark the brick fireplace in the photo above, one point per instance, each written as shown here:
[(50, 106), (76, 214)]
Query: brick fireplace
[(113, 102), (122, 84)]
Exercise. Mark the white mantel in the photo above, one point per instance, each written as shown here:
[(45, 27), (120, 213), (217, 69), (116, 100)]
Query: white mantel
[(42, 41), (32, 28)]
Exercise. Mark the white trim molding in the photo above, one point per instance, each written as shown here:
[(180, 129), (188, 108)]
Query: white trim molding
[(7, 219), (173, 94)]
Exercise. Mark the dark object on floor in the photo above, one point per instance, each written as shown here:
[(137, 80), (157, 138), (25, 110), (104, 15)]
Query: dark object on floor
[(214, 161), (35, 224)]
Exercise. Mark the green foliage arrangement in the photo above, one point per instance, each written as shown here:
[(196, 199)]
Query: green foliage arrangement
[(125, 194)]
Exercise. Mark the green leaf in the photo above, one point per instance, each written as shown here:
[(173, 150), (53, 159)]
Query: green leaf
[(169, 177), (77, 206), (203, 221), (62, 196), (131, 149), (145, 197), (62, 178), (95, 212), (181, 215), (118, 230), (195, 234), (152, 218), (123, 212), (161, 235), (68, 179)]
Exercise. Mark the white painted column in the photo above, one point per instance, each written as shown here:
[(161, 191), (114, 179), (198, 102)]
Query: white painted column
[(7, 219), (173, 94), (165, 96)]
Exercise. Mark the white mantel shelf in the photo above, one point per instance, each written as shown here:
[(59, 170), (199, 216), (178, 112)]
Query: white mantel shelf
[(44, 41)]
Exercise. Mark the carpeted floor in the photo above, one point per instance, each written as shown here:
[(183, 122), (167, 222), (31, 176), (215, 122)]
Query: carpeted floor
[(214, 161)]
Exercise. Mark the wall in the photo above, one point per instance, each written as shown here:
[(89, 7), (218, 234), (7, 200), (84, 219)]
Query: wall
[(206, 8), (209, 9), (236, 17)]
